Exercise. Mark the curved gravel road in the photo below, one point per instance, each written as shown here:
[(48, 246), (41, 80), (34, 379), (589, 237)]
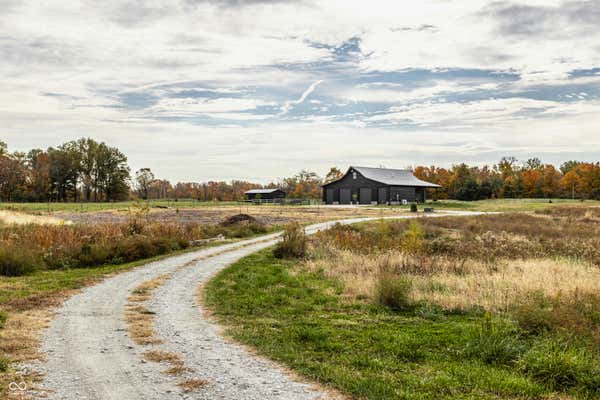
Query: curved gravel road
[(90, 354)]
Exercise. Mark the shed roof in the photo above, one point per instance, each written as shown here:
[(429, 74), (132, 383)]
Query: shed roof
[(394, 177), (262, 191)]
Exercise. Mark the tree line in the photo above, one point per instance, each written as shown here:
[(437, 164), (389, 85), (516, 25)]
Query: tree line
[(511, 179), (303, 185), (86, 170), (80, 170)]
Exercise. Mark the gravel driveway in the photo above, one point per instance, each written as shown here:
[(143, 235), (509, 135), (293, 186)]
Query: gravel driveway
[(91, 356)]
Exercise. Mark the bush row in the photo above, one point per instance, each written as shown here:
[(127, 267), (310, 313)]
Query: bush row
[(24, 249)]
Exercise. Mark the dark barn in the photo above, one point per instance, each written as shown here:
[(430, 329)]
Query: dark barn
[(361, 185), (264, 194)]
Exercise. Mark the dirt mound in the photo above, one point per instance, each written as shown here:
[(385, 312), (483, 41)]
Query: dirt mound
[(239, 219)]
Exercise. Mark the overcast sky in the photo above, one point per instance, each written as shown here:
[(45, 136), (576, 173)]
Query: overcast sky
[(256, 89)]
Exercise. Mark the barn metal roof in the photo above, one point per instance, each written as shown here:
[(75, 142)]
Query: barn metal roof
[(399, 177), (393, 177), (261, 191)]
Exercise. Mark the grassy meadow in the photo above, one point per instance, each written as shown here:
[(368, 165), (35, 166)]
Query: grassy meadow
[(480, 205), (484, 307), (508, 205), (107, 206)]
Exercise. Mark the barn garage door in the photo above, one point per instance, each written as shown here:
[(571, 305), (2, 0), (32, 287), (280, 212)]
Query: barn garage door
[(403, 193), (345, 196), (382, 196), (365, 196), (329, 196)]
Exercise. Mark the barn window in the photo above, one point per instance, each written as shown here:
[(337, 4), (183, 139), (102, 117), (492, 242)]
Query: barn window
[(354, 175)]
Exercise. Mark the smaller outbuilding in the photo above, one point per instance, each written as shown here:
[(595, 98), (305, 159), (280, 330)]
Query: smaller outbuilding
[(265, 194)]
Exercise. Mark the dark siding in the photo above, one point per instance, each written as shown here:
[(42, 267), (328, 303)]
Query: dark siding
[(278, 194), (354, 185), (383, 197), (399, 193), (380, 192), (366, 195)]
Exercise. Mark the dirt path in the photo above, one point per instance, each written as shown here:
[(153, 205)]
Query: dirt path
[(91, 356)]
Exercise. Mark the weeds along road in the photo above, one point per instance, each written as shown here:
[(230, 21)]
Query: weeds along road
[(90, 355)]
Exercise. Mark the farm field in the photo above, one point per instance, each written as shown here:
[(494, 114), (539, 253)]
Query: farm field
[(488, 307), (208, 214), (507, 205), (71, 209)]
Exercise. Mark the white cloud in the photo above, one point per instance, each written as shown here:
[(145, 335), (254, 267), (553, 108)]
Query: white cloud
[(289, 104), (77, 68), (219, 108)]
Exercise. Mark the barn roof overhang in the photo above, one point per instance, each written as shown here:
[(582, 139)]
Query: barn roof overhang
[(390, 177)]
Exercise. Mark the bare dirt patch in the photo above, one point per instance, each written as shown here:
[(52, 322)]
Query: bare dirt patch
[(264, 214)]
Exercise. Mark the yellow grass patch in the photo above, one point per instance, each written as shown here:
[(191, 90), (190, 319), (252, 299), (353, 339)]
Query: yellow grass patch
[(461, 284), (11, 217)]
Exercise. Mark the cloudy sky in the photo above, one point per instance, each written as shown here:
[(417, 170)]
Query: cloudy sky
[(256, 89)]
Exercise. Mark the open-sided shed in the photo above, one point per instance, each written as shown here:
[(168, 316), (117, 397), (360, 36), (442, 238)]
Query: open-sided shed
[(264, 194)]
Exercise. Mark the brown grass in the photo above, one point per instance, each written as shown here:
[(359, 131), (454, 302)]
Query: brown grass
[(193, 384), (12, 217), (460, 284), (178, 369), (139, 319), (485, 261), (19, 340), (161, 356)]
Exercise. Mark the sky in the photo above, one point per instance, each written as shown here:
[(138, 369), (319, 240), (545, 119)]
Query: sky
[(253, 89)]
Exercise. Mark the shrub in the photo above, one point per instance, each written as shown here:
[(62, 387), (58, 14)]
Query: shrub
[(532, 312), (3, 318), (26, 248), (393, 291), (495, 343), (4, 364), (561, 366), (575, 314), (14, 262), (293, 243), (413, 240), (413, 207)]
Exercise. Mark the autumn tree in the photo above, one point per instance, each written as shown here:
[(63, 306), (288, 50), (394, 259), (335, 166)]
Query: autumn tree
[(144, 178), (334, 174)]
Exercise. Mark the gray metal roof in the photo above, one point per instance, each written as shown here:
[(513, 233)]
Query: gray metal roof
[(394, 177), (261, 191)]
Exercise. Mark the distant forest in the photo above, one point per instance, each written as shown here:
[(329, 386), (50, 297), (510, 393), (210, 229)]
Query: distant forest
[(85, 170)]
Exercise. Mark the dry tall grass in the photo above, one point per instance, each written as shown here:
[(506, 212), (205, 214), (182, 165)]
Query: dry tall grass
[(500, 263), (26, 248), (459, 284), (16, 218)]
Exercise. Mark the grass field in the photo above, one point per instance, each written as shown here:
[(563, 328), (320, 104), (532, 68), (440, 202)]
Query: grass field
[(507, 205), (104, 206), (443, 311), (481, 205)]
